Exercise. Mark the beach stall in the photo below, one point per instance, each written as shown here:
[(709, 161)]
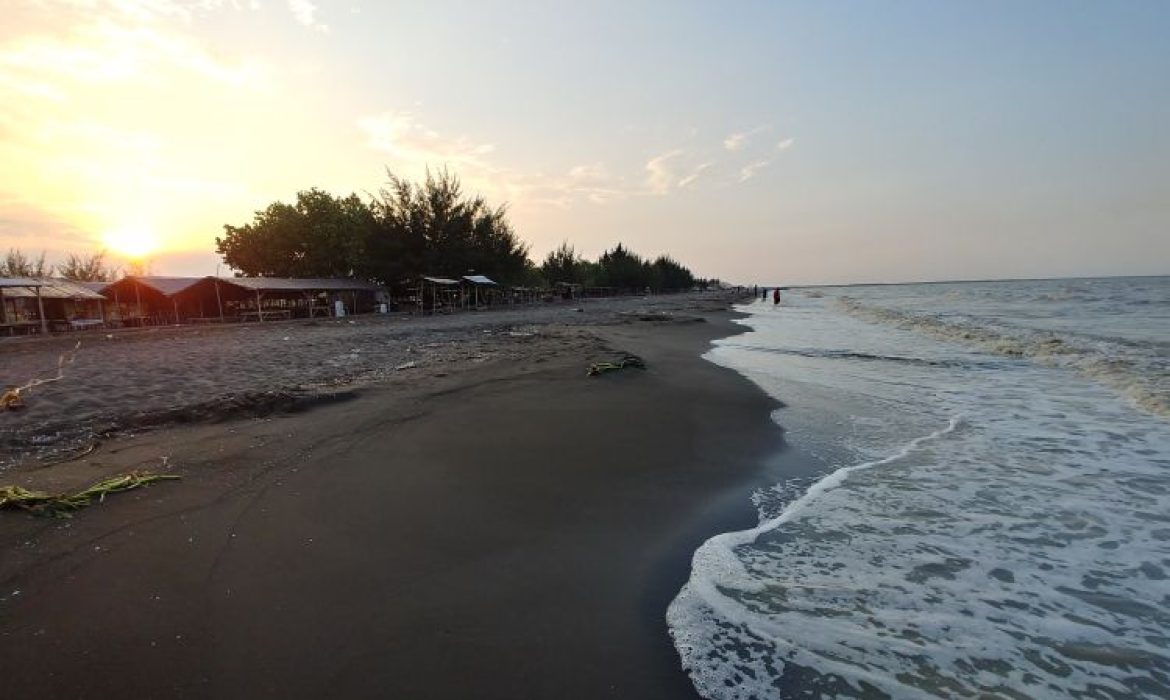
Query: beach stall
[(28, 305), (523, 295), (150, 300), (10, 321), (154, 300), (275, 298), (434, 294), (569, 291), (478, 289)]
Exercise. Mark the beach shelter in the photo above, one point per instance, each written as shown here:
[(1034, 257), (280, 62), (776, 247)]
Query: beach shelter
[(152, 300), (478, 282), (49, 302), (22, 283), (441, 291), (569, 290), (284, 297)]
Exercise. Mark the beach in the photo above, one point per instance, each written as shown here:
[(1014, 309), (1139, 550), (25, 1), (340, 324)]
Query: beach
[(408, 507)]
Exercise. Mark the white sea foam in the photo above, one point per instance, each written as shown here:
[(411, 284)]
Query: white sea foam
[(1136, 375), (1023, 551)]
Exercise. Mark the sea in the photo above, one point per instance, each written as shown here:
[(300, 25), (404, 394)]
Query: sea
[(992, 516)]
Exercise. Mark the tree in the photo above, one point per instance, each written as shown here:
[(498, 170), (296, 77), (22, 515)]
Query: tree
[(88, 268), (667, 275), (319, 236), (17, 264), (433, 228), (563, 265), (405, 231), (622, 269)]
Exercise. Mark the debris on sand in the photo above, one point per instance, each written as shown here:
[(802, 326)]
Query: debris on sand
[(627, 360), (10, 400), (61, 504)]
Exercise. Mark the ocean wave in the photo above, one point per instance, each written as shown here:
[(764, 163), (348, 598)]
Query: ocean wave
[(964, 564), (716, 568), (864, 356), (1138, 371)]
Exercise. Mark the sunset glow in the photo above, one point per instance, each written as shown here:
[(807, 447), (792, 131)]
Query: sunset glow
[(801, 143), (132, 243)]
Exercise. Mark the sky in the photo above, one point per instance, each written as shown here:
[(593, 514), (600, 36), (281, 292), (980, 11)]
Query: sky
[(757, 142)]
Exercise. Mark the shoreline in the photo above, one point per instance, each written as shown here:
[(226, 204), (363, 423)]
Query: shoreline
[(507, 529)]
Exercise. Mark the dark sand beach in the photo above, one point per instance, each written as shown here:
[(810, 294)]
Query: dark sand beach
[(493, 526)]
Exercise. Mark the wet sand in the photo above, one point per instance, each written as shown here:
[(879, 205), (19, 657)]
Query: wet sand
[(503, 529)]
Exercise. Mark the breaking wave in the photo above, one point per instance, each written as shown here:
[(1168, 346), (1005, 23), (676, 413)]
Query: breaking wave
[(1140, 371), (1020, 551)]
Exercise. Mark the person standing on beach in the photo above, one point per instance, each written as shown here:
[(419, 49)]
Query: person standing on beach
[(775, 296)]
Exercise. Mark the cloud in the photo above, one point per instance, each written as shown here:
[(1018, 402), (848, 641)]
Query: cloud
[(785, 144), (736, 141), (694, 175), (110, 52), (136, 11), (35, 228), (414, 146), (403, 136), (305, 12), (590, 173), (749, 171), (660, 175)]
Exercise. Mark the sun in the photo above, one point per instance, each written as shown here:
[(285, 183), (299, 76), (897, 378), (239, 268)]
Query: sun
[(135, 243)]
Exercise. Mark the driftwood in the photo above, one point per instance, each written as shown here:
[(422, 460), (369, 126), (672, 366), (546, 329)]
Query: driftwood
[(11, 399)]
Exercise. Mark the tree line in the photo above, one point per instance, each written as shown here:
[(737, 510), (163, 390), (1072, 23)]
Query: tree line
[(85, 267), (619, 268), (407, 230), (402, 232)]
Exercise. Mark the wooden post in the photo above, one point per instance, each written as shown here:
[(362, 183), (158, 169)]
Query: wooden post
[(3, 311), (41, 311), (218, 301), (259, 311), (138, 299), (175, 304)]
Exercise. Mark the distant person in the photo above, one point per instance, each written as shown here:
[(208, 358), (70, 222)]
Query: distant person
[(776, 296), (764, 296)]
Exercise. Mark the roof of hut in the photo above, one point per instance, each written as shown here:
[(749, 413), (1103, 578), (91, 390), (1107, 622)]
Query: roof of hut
[(167, 286), (19, 282), (294, 284), (98, 287), (479, 279), (50, 288), (440, 280)]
